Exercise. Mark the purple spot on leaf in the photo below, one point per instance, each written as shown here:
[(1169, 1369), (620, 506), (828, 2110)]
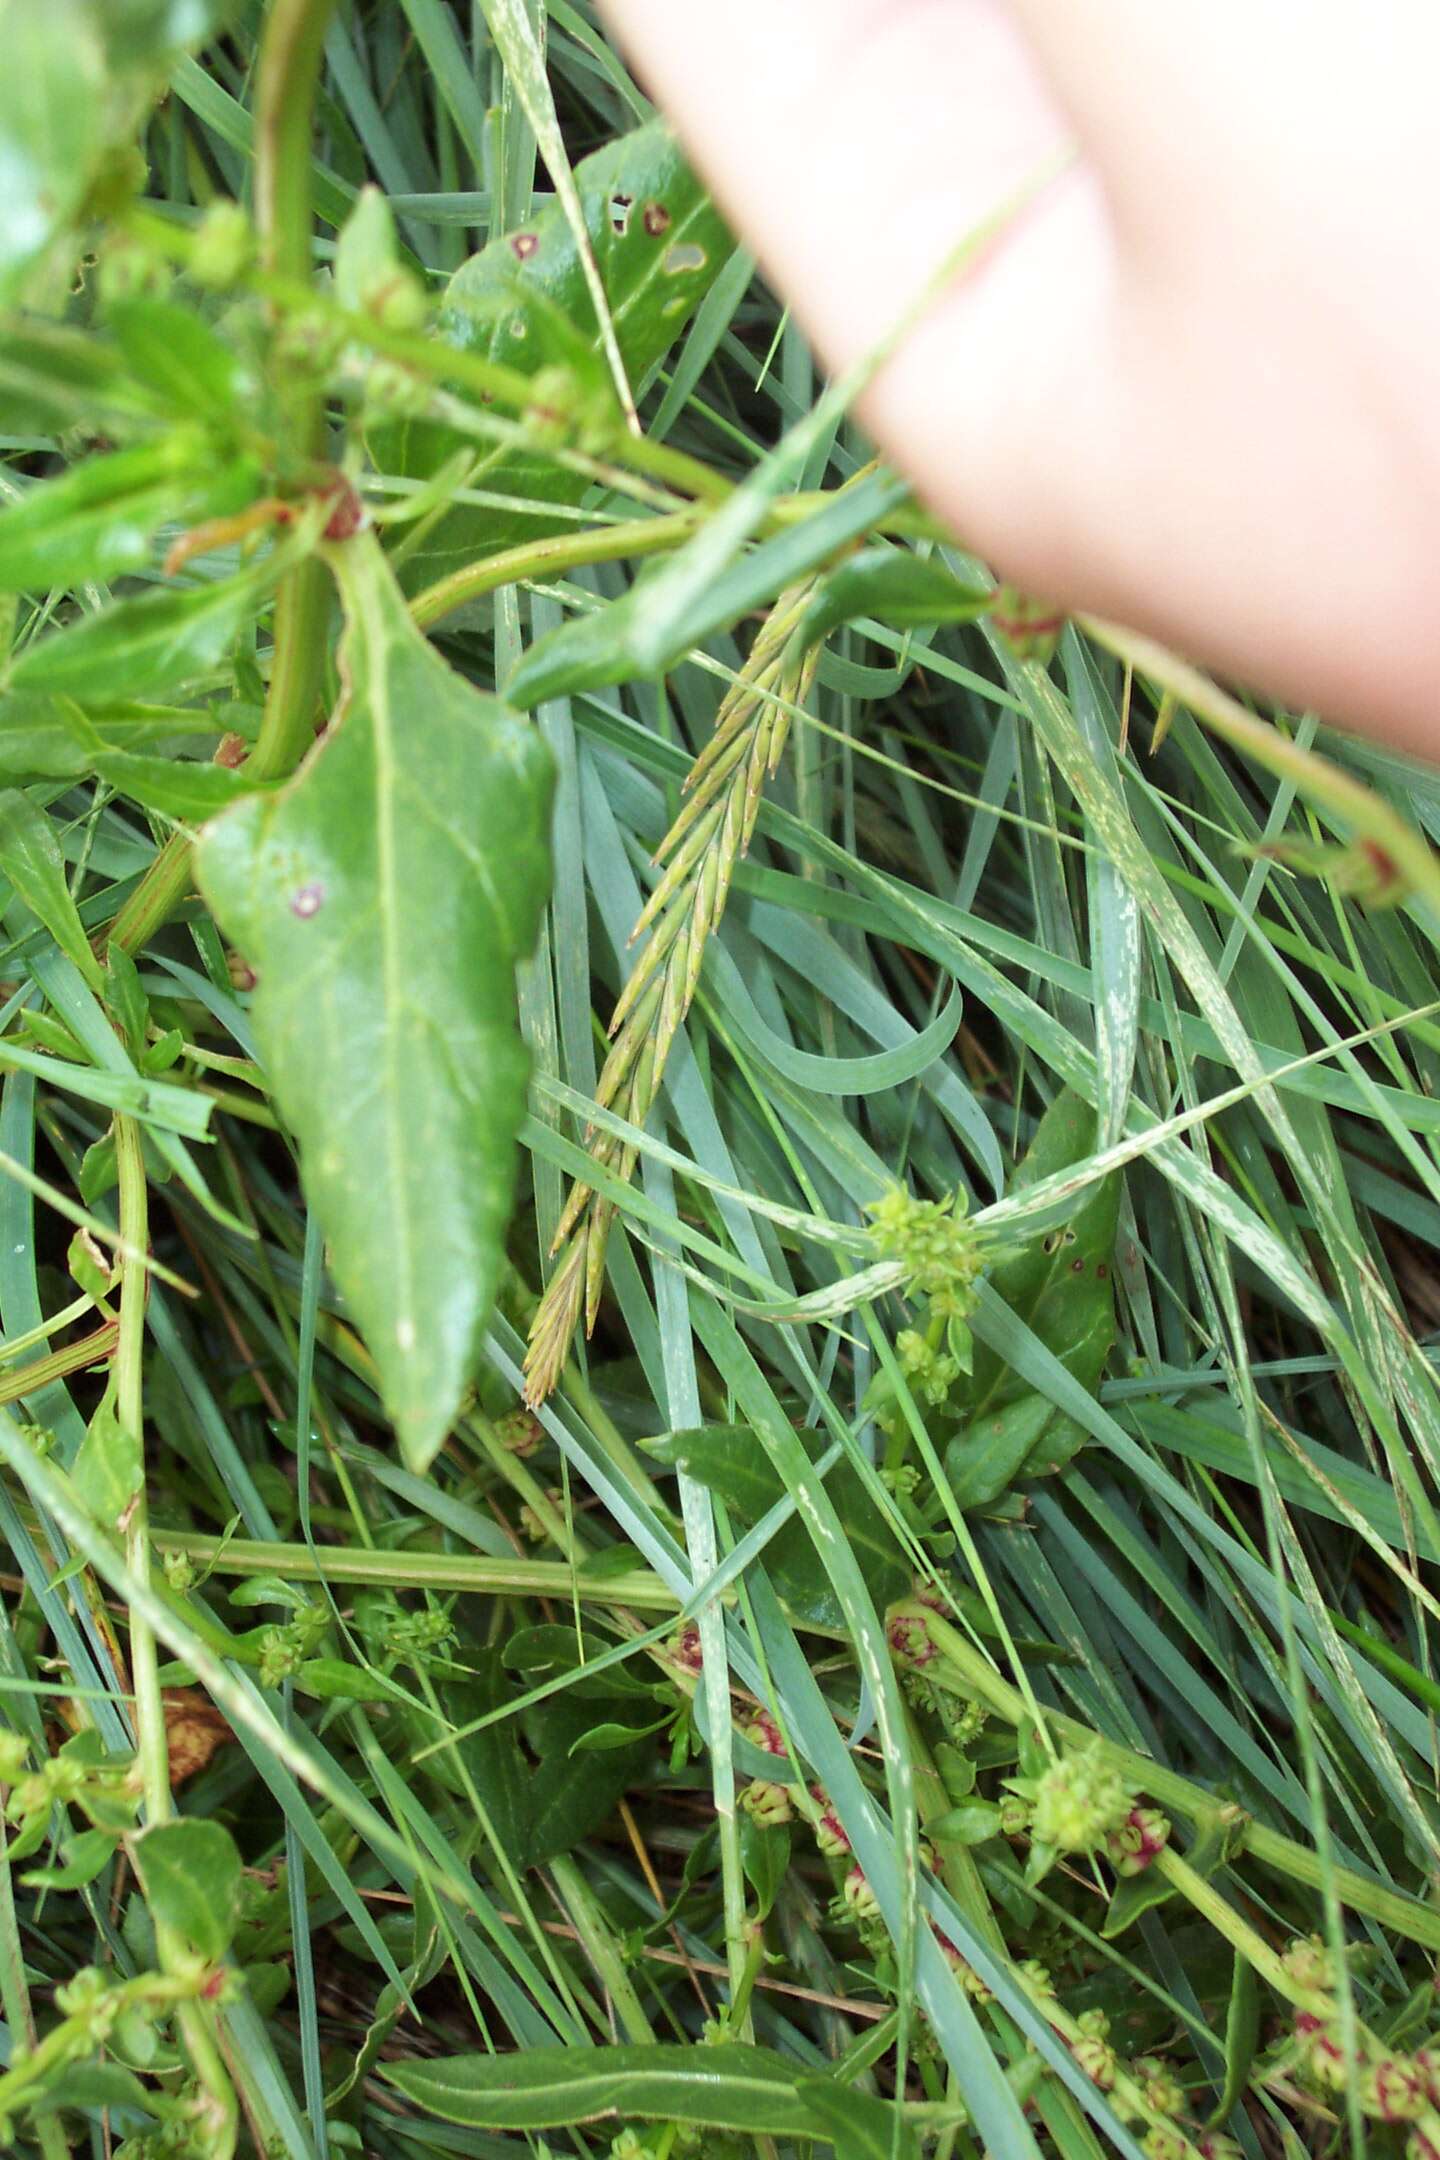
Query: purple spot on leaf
[(308, 901)]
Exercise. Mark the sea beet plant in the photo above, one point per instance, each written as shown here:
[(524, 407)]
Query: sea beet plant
[(719, 1418)]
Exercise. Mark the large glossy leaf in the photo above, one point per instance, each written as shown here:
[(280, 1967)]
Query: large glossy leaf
[(731, 1460), (384, 896), (728, 2087), (658, 244), (1062, 1286)]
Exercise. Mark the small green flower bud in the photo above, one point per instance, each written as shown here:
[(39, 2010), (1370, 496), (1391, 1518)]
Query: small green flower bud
[(1393, 2090), (1079, 1799), (829, 1830), (1097, 2059), (1014, 1816), (940, 1248), (519, 1432), (910, 1639), (765, 1733), (857, 1897), (224, 247), (766, 1803), (88, 1998), (1310, 1964), (179, 1571), (1163, 2142), (1163, 2091), (1037, 1979), (1138, 1841), (964, 1972), (278, 1656), (1321, 2055)]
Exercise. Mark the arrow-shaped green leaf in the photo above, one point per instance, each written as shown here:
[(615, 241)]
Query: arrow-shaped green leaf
[(384, 897)]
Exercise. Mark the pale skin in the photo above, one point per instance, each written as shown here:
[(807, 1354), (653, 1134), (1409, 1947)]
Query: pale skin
[(1195, 384)]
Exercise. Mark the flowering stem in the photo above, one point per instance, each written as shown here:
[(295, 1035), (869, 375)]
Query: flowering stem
[(196, 2020), (964, 1671)]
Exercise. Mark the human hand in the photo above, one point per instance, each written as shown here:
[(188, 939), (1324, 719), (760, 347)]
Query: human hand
[(1191, 386)]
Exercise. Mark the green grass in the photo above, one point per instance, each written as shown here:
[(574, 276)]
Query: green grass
[(483, 1801)]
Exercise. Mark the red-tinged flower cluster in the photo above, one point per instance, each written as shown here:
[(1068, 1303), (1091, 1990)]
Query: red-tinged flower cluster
[(910, 1639), (1139, 1841), (765, 1733)]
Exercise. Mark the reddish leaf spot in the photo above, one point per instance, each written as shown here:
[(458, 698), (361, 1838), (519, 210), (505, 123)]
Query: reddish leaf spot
[(656, 219), (348, 515), (1382, 862), (524, 245), (308, 901)]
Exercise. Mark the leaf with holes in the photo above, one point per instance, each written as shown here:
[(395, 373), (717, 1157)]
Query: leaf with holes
[(524, 300), (384, 896), (1062, 1287)]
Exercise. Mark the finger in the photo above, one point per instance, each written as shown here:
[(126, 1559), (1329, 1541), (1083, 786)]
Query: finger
[(854, 143)]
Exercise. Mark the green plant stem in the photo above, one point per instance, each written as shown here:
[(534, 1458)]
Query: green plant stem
[(289, 74), (156, 897), (196, 2020), (753, 1945), (418, 1570), (1221, 1915), (129, 1410), (972, 1675), (1403, 852), (548, 558), (15, 1999), (597, 1939), (601, 543)]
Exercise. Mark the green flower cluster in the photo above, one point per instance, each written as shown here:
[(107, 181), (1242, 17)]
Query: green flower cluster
[(1076, 1801), (941, 1250)]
